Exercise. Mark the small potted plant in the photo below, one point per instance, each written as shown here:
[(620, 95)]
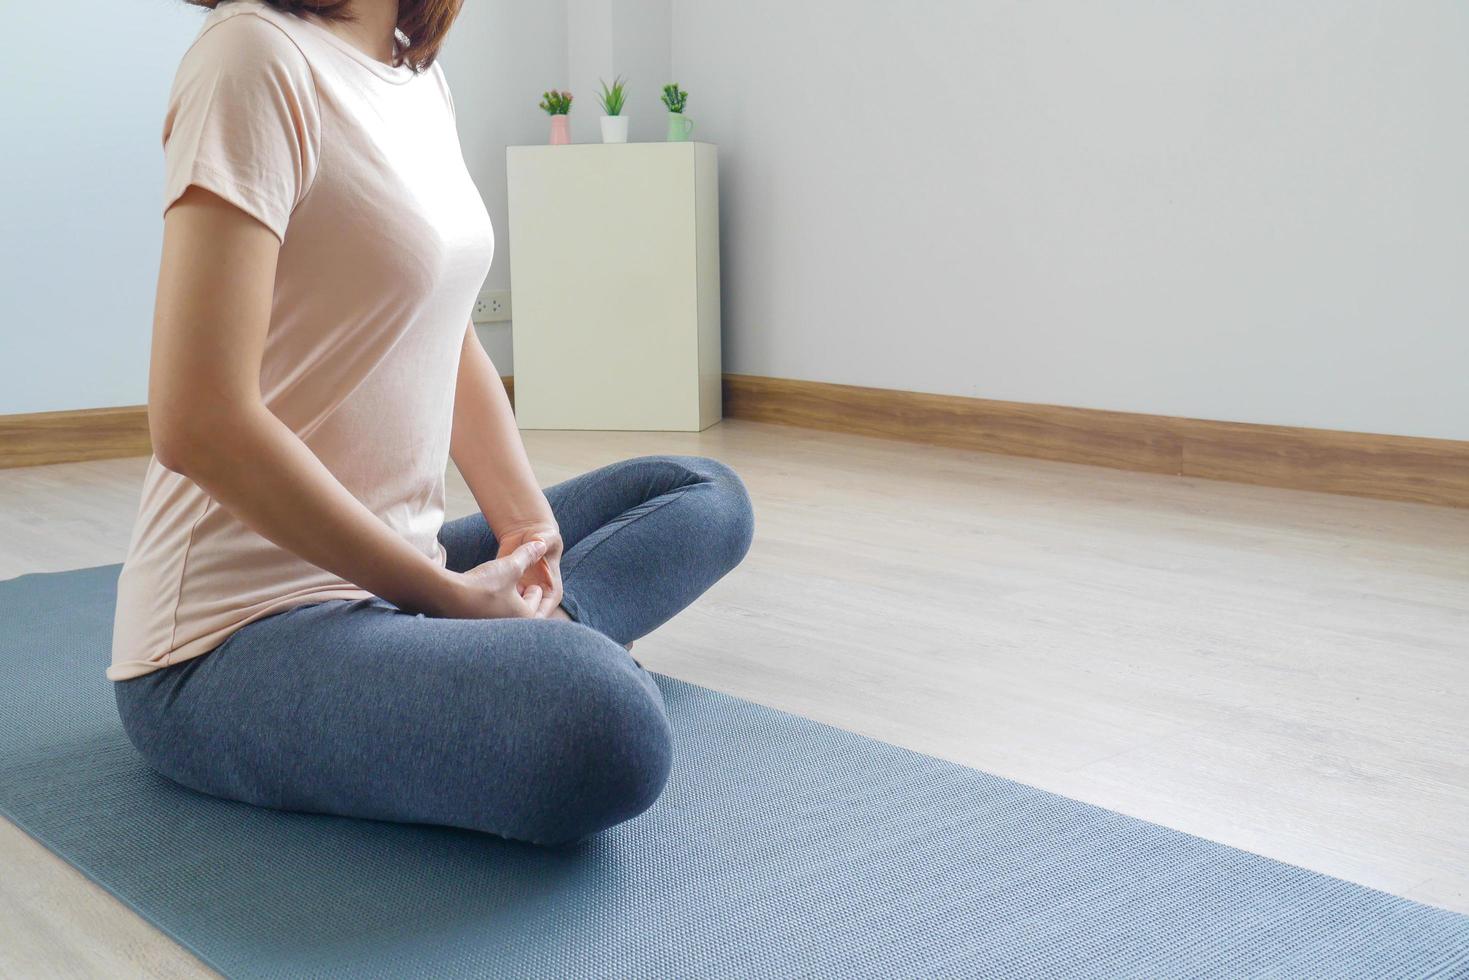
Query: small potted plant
[(557, 105), (614, 123), (679, 125)]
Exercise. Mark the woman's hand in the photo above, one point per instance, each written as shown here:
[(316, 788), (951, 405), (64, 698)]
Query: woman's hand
[(494, 590), (487, 448), (545, 573)]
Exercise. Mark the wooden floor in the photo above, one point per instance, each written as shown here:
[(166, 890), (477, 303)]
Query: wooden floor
[(1281, 671)]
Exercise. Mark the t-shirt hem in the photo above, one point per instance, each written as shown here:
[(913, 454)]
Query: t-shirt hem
[(125, 670)]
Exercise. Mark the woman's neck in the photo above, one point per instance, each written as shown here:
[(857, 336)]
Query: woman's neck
[(372, 28)]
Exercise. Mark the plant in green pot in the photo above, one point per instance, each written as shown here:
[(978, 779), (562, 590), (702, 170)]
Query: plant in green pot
[(679, 125), (557, 105), (613, 99)]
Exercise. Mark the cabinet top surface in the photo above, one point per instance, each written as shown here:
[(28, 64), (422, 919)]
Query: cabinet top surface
[(609, 146)]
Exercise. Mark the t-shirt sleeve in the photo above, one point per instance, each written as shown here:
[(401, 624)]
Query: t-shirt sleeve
[(438, 70), (243, 121)]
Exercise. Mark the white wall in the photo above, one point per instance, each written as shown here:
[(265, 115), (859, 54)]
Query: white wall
[(607, 38), (1255, 211), (642, 45), (84, 88)]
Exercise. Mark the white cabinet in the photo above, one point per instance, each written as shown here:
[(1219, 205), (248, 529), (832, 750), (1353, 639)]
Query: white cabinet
[(614, 268)]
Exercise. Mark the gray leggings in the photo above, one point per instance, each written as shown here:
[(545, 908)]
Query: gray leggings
[(539, 730)]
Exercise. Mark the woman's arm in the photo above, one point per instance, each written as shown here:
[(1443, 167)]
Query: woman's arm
[(488, 450), (209, 423)]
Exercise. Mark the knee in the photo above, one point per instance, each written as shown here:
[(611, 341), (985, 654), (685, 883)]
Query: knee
[(615, 747), (623, 767), (730, 518)]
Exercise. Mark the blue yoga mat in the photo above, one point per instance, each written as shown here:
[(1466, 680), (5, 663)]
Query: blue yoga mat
[(782, 847)]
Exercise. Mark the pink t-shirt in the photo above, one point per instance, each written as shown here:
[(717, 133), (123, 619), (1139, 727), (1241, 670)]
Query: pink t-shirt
[(385, 242)]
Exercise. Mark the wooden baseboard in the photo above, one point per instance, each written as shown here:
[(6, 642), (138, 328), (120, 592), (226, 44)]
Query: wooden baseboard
[(67, 437), (1430, 471), (39, 438)]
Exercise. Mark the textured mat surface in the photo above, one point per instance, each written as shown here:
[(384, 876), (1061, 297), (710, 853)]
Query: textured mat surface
[(781, 847)]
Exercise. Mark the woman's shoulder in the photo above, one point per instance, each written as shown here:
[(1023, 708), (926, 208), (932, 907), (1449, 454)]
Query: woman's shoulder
[(244, 52), (441, 84), (247, 33)]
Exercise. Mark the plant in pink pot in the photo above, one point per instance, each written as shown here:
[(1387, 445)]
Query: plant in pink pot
[(557, 105)]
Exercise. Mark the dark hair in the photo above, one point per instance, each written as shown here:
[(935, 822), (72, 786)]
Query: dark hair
[(423, 22)]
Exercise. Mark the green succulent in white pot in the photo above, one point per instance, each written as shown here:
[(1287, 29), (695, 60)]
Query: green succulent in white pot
[(613, 99)]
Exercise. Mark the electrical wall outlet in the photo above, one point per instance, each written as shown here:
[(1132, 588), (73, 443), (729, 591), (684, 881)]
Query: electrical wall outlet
[(493, 306)]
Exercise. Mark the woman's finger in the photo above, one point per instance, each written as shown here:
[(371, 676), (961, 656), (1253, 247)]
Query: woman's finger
[(514, 565)]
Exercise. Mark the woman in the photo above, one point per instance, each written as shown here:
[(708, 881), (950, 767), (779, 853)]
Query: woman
[(296, 627)]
